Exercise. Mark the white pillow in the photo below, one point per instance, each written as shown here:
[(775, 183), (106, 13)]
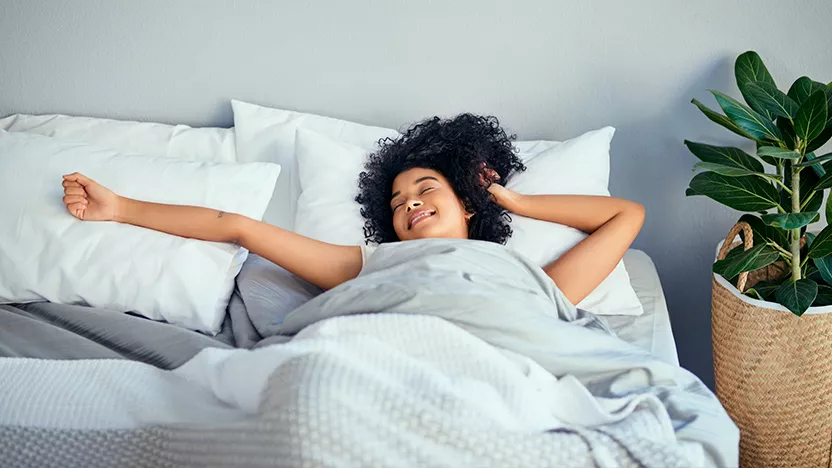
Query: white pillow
[(328, 173), (268, 135), (145, 138), (46, 254)]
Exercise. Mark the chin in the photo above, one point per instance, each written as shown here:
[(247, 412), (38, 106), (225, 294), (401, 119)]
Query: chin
[(428, 232)]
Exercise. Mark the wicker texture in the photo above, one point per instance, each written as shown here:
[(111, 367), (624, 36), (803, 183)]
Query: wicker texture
[(773, 373)]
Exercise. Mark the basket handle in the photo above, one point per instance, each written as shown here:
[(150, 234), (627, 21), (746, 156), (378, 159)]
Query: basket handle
[(726, 247)]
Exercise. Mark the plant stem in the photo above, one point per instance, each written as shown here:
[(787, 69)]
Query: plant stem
[(795, 232), (778, 182), (786, 253)]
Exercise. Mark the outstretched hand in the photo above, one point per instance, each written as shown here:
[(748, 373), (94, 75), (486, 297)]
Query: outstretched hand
[(88, 200)]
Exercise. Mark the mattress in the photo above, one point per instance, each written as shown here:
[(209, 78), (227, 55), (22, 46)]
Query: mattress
[(651, 330)]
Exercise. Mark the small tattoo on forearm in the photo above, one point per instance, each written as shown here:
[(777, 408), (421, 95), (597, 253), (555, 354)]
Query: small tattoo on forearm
[(219, 215)]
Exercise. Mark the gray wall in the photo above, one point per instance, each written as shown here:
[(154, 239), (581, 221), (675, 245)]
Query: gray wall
[(548, 69)]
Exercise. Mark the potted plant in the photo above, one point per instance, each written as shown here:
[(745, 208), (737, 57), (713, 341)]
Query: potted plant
[(772, 363)]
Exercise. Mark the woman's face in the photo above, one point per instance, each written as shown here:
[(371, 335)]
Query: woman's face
[(425, 205)]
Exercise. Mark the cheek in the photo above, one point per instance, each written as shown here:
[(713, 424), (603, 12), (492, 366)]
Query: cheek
[(449, 205), (399, 221)]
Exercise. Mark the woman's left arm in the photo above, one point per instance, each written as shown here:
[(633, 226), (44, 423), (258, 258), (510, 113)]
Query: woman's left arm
[(612, 225)]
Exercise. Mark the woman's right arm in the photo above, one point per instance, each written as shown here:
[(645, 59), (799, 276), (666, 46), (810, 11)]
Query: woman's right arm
[(322, 264)]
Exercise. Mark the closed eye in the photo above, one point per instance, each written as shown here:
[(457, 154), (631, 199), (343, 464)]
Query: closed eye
[(425, 190)]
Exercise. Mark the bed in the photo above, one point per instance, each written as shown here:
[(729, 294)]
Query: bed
[(444, 346), (54, 331), (445, 370), (651, 330)]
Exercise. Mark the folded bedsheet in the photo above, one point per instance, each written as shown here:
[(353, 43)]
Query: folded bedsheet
[(56, 331), (264, 293), (442, 353)]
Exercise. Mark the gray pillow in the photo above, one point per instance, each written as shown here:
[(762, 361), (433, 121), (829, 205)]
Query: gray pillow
[(268, 293)]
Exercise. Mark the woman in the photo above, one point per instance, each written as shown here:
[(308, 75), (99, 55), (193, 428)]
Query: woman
[(441, 179)]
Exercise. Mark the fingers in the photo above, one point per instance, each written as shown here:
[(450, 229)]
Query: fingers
[(79, 178), (79, 210), (73, 199), (75, 190), (71, 183), (492, 174)]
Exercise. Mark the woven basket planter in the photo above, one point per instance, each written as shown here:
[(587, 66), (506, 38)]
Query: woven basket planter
[(773, 371)]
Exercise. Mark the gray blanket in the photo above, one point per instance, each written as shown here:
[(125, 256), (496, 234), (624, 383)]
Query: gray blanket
[(264, 293), (484, 290), (55, 331)]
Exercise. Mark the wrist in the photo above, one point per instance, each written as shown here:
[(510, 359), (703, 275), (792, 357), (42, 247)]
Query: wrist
[(514, 202), (120, 208), (239, 225)]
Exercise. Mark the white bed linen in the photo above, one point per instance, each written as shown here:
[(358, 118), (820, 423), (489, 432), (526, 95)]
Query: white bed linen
[(651, 330)]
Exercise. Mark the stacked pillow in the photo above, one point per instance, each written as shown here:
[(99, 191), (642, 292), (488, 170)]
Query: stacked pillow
[(265, 134), (326, 155), (46, 254), (145, 138)]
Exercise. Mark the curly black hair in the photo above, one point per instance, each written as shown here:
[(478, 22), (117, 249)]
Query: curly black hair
[(458, 148)]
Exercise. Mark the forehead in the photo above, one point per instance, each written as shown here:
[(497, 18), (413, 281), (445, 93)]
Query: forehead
[(409, 177)]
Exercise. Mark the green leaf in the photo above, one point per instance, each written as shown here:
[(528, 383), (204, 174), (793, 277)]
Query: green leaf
[(825, 182), (809, 238), (790, 221), (787, 129), (820, 171), (822, 139), (720, 119), (774, 101), (747, 119), (802, 88), (829, 209), (824, 297), (749, 68), (828, 105), (766, 288), (810, 198), (764, 233), (812, 203), (750, 260), (797, 296), (812, 160), (813, 274), (729, 171), (824, 266), (735, 251), (689, 192), (809, 269), (740, 193), (779, 153), (822, 245), (725, 155), (810, 120), (752, 293)]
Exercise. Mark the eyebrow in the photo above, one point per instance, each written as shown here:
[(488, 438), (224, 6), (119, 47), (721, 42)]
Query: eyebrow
[(419, 180)]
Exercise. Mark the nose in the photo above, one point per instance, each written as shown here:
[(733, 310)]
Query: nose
[(413, 204)]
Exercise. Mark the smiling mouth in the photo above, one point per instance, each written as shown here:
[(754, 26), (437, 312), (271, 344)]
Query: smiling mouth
[(421, 216)]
